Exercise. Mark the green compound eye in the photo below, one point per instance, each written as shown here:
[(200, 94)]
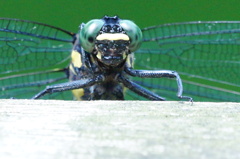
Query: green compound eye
[(134, 32), (89, 33)]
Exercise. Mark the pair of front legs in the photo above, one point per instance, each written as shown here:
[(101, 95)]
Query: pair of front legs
[(82, 83)]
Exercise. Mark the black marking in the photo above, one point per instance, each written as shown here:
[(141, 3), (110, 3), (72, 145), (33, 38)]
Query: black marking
[(111, 25), (136, 37), (90, 39)]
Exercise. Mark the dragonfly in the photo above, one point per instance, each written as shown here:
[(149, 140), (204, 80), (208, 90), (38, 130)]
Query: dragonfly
[(199, 59)]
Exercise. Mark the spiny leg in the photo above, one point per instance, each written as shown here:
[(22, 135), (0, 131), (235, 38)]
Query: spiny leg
[(139, 89), (159, 74), (81, 83)]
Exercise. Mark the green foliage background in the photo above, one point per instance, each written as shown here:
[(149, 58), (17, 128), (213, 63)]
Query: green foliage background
[(69, 14)]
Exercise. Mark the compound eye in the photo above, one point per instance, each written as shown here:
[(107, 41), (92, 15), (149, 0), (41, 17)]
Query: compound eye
[(134, 32), (88, 34)]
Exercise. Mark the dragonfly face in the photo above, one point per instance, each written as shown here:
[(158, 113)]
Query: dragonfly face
[(110, 39)]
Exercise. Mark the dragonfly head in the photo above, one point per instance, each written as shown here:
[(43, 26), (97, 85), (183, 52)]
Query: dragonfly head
[(110, 39)]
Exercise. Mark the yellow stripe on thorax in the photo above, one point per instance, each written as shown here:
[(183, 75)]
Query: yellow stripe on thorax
[(76, 59), (78, 93), (76, 62), (130, 60)]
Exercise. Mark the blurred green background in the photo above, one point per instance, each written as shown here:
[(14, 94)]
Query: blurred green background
[(69, 14)]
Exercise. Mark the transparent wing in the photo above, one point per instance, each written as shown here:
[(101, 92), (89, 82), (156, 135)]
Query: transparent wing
[(32, 55), (205, 54)]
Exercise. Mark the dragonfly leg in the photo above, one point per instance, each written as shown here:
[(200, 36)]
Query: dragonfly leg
[(139, 89), (159, 74), (81, 83)]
